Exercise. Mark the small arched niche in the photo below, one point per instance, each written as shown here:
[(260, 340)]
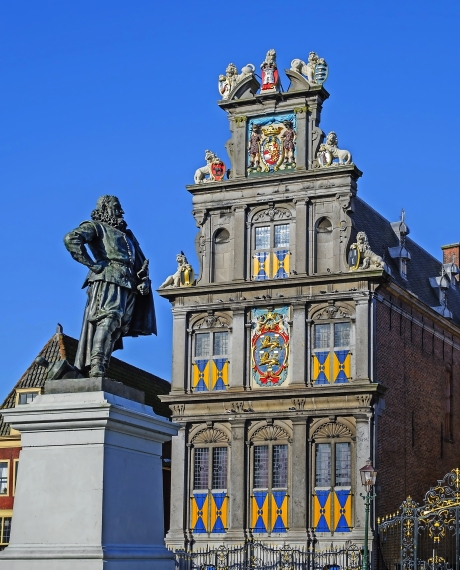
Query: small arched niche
[(221, 255), (324, 246)]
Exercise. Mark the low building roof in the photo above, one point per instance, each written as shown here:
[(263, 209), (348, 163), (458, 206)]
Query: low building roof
[(61, 346)]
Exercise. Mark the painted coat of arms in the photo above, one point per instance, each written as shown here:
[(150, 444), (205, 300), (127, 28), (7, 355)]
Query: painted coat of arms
[(271, 145), (270, 346)]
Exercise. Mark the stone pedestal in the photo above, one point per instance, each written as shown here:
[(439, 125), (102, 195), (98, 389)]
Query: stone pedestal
[(89, 488)]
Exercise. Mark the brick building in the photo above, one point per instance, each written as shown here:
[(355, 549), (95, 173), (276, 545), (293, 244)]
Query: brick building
[(317, 335), (61, 347)]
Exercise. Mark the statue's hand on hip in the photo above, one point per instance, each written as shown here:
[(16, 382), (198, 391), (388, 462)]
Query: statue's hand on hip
[(97, 268), (143, 288)]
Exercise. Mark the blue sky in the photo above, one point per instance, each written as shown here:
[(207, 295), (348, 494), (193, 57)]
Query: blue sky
[(120, 97)]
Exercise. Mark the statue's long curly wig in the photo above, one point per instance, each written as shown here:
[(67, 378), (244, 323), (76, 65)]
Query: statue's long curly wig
[(103, 212)]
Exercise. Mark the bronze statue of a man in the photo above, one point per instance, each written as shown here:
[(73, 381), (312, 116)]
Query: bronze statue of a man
[(120, 300)]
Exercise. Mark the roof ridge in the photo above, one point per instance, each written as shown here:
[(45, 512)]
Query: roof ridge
[(407, 238)]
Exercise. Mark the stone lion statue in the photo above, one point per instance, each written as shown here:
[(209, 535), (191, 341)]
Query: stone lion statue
[(330, 147), (201, 173), (183, 276), (229, 81), (369, 259)]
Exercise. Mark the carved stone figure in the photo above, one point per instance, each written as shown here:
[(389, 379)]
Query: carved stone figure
[(315, 70), (288, 137), (270, 76), (183, 277), (254, 146), (229, 81), (362, 257), (120, 301), (214, 168), (329, 150)]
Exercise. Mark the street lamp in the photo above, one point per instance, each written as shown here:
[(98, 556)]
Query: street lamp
[(368, 476)]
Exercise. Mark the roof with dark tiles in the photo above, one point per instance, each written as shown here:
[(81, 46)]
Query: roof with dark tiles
[(61, 346), (421, 266)]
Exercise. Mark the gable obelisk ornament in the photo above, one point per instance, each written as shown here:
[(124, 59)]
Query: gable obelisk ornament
[(120, 300)]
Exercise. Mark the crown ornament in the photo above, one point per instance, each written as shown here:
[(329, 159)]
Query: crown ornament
[(272, 130)]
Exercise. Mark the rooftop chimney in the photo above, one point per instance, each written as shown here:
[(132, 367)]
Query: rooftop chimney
[(451, 253)]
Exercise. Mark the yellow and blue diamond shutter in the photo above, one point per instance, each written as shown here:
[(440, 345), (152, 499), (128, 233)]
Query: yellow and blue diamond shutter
[(199, 513)]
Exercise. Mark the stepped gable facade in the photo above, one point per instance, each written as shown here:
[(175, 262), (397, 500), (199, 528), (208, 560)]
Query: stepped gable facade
[(63, 347), (315, 336)]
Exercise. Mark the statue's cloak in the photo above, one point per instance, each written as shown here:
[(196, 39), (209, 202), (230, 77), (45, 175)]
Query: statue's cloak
[(143, 320)]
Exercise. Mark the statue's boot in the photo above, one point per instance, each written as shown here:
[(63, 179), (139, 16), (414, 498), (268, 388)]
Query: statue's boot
[(101, 350)]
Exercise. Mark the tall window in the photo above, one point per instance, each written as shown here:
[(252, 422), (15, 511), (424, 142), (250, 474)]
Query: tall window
[(209, 497), (332, 476), (331, 353), (210, 362), (270, 481), (271, 252), (333, 470), (5, 530), (4, 468)]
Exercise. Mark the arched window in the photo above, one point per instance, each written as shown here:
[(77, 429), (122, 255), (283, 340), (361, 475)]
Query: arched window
[(331, 344), (210, 349), (221, 256), (332, 477), (324, 246), (269, 480), (208, 514), (271, 239)]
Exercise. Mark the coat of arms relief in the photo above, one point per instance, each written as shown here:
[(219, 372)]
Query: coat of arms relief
[(271, 144), (270, 346)]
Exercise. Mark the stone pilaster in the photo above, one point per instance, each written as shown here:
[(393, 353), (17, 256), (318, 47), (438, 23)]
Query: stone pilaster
[(298, 345), (237, 487), (362, 341), (180, 354), (300, 484), (239, 148), (362, 454), (238, 356), (302, 138), (239, 242), (176, 537), (301, 244)]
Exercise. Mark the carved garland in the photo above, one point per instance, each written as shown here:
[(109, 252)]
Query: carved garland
[(332, 312), (332, 430), (270, 433), (271, 214), (211, 321), (210, 435)]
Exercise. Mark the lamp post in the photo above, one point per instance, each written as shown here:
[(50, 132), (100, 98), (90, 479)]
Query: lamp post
[(368, 475)]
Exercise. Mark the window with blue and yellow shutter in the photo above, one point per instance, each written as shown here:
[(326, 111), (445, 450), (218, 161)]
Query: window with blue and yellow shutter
[(271, 257), (209, 498), (332, 498), (269, 477), (210, 362), (331, 354)]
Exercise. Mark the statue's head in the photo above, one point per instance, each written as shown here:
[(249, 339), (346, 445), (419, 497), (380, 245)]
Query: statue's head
[(312, 57), (181, 259), (361, 238), (108, 210), (231, 70), (332, 139)]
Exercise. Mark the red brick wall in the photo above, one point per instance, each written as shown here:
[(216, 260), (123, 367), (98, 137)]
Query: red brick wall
[(413, 451), (8, 453)]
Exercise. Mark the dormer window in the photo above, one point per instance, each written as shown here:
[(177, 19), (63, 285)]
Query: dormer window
[(24, 397)]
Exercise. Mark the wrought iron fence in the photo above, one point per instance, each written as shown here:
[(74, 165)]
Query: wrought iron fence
[(418, 537), (261, 556)]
